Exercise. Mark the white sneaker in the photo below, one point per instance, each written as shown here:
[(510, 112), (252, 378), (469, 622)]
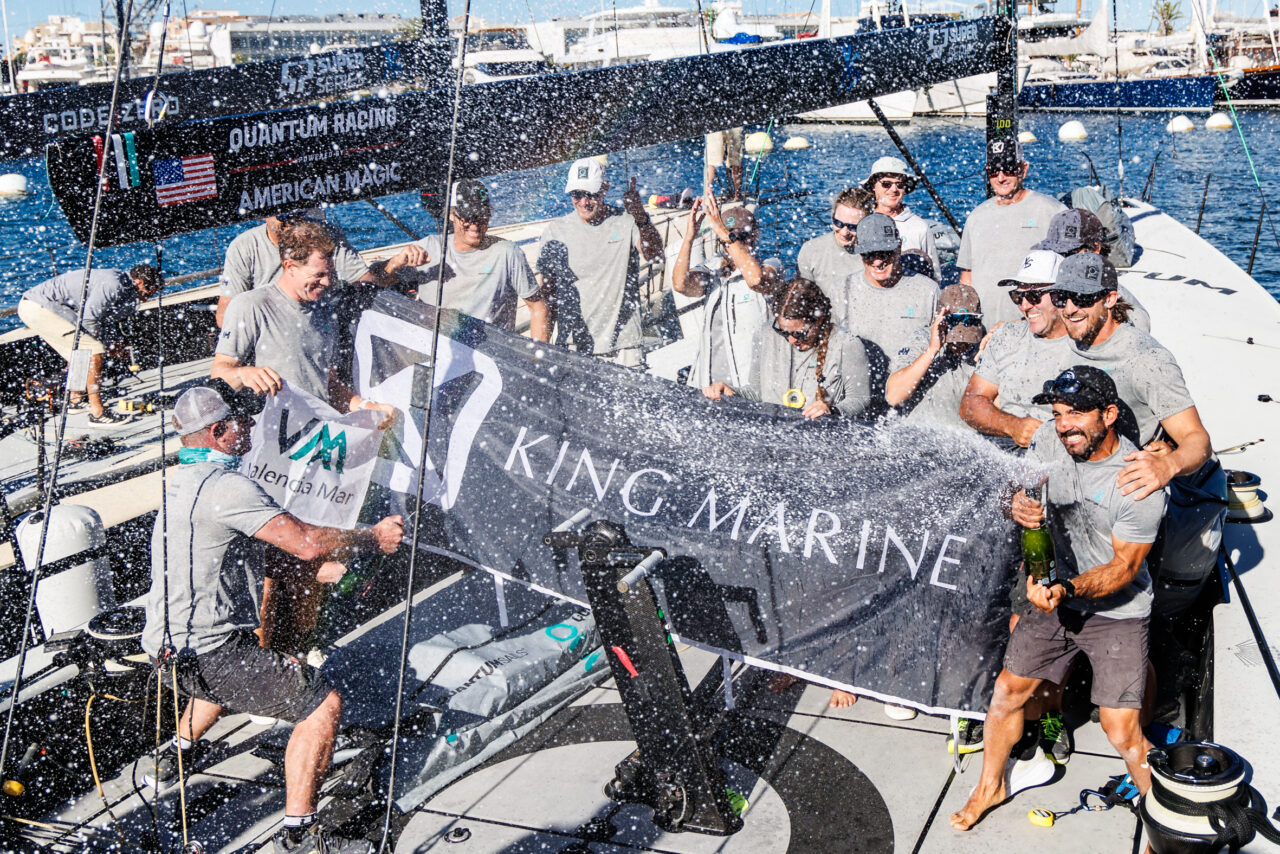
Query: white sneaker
[(900, 713), (1022, 774)]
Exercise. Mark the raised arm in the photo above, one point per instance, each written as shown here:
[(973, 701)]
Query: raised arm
[(650, 240)]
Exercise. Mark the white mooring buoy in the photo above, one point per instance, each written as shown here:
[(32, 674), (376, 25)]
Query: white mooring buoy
[(13, 184), (1072, 131), (758, 143), (1180, 124), (1218, 121), (1025, 136), (796, 143)]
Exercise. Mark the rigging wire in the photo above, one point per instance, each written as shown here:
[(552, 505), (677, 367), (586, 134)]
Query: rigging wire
[(50, 494), (1115, 35), (426, 438), (155, 84)]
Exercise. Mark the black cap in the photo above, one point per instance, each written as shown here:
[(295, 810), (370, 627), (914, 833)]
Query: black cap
[(1004, 153), (471, 200), (1083, 387)]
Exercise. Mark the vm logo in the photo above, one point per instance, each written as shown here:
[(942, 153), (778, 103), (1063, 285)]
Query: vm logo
[(323, 447)]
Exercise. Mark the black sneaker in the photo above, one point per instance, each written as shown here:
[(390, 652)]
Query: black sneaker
[(317, 840), (1055, 738), (109, 419), (162, 772), (970, 740)]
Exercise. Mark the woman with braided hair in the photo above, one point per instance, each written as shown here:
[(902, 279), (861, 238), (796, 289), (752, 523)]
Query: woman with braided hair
[(810, 363)]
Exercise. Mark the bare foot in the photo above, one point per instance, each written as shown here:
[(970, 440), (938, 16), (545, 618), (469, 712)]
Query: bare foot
[(978, 805), (842, 699), (781, 682)]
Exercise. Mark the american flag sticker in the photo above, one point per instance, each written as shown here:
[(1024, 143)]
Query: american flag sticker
[(185, 179)]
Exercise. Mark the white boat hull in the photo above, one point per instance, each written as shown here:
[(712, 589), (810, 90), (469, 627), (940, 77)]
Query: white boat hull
[(898, 107)]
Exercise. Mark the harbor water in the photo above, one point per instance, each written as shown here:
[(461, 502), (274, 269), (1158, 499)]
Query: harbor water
[(35, 239)]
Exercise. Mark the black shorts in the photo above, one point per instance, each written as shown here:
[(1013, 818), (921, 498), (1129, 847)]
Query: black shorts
[(1043, 645), (241, 676)]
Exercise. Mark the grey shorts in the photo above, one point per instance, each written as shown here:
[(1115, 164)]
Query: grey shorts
[(241, 676), (1043, 645)]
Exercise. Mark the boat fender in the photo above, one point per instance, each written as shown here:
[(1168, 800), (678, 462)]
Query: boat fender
[(796, 143), (758, 143), (1218, 121), (13, 184), (1072, 131), (1179, 124), (69, 598)]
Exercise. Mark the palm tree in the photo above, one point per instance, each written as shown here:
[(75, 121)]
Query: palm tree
[(1167, 13)]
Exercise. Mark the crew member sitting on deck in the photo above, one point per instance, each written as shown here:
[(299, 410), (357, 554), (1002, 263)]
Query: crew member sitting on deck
[(484, 275), (290, 332), (216, 522), (1000, 232), (891, 181), (830, 259), (589, 267), (1102, 604), (253, 258), (930, 375), (886, 306), (50, 310), (805, 361), (737, 311)]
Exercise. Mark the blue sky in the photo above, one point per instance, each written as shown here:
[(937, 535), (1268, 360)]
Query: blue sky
[(1134, 14)]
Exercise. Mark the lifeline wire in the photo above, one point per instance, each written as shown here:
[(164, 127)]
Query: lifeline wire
[(24, 642), (426, 440)]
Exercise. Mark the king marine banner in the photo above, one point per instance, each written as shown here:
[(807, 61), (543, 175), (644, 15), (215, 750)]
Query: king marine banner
[(871, 558), (314, 462)]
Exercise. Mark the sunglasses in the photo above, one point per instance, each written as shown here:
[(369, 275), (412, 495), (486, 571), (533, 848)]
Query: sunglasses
[(963, 320), (800, 334), (877, 257), (579, 195), (1001, 170), (1035, 296), (1059, 298), (888, 184), (838, 224)]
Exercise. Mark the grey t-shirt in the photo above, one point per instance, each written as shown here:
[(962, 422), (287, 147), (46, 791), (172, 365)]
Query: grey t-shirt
[(733, 321), (1147, 377), (215, 565), (109, 302), (1018, 363), (296, 339), (918, 237), (597, 273), (483, 282), (253, 261), (780, 367), (936, 398), (886, 319), (828, 264), (1086, 509), (996, 238)]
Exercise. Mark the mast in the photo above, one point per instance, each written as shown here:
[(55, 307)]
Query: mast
[(1002, 105)]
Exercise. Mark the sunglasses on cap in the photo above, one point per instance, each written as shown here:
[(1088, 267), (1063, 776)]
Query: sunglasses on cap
[(738, 235), (838, 224), (1066, 383), (1035, 296), (962, 319), (800, 334), (891, 184), (1059, 297)]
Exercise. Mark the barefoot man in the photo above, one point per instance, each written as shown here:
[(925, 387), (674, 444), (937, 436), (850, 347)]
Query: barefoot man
[(1102, 605)]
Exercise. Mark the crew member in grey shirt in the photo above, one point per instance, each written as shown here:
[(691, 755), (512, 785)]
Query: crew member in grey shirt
[(737, 311), (484, 275), (1000, 231), (1153, 394), (51, 309), (589, 267), (884, 305), (253, 258), (931, 374), (216, 523), (1019, 357), (805, 361), (1100, 602), (1077, 230), (891, 180), (830, 259)]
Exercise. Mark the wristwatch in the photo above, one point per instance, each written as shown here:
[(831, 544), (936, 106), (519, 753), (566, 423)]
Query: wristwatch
[(1068, 589)]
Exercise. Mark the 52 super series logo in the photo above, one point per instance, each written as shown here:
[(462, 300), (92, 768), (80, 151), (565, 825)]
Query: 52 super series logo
[(323, 74), (953, 42)]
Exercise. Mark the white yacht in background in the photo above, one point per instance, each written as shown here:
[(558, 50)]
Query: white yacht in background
[(898, 107), (500, 53), (66, 51)]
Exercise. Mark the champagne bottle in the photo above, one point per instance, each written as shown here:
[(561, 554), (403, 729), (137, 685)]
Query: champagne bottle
[(1038, 554)]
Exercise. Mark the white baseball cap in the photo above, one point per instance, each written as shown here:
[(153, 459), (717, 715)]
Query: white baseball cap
[(1039, 267), (586, 174), (210, 402)]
